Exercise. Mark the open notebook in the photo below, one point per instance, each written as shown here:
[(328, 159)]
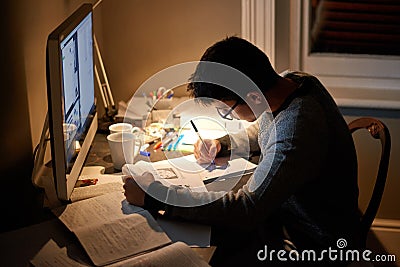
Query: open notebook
[(112, 231), (185, 170)]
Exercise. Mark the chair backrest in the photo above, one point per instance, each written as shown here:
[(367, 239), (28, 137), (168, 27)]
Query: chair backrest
[(378, 130)]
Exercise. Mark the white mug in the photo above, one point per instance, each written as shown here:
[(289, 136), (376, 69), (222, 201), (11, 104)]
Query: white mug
[(122, 147), (70, 140), (120, 127)]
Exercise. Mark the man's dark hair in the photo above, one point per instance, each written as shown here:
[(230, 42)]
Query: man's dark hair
[(240, 55)]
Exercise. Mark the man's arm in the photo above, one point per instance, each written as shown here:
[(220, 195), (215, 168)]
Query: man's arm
[(290, 159), (242, 143)]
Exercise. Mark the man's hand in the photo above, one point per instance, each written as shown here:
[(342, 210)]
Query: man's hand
[(200, 152), (135, 186)]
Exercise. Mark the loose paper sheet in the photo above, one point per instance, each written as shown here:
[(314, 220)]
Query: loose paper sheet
[(106, 183), (136, 233), (81, 193)]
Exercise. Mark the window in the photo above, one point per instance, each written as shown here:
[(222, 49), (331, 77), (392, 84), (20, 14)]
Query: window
[(351, 46), (351, 61), (370, 27)]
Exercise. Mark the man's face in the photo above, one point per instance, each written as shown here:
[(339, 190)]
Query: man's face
[(240, 111)]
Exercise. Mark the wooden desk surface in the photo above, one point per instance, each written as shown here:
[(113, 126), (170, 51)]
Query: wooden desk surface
[(99, 154), (18, 247)]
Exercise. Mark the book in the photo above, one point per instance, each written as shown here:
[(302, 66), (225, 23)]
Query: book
[(186, 170), (194, 235), (111, 230)]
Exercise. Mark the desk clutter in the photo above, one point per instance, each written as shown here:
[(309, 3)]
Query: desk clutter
[(142, 110), (167, 139)]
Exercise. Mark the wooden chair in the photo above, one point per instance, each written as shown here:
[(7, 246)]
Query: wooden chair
[(378, 130)]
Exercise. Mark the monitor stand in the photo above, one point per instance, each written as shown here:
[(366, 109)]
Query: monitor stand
[(42, 174)]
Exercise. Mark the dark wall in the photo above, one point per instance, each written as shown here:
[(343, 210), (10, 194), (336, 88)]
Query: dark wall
[(24, 26), (18, 197)]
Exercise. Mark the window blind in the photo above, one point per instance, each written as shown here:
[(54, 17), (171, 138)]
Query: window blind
[(355, 27)]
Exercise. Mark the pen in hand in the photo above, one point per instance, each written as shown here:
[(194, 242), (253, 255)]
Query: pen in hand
[(201, 139)]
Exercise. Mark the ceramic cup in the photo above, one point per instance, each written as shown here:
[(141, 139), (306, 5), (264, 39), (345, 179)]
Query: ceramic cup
[(69, 131), (120, 127), (122, 148)]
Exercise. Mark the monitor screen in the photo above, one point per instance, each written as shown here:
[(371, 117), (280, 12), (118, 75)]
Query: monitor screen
[(71, 100), (78, 81)]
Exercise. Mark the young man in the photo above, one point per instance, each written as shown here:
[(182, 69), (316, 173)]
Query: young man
[(303, 194)]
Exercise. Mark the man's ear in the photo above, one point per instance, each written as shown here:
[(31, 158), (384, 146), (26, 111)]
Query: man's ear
[(254, 98)]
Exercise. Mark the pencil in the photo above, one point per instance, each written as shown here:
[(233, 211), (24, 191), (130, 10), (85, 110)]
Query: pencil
[(201, 139)]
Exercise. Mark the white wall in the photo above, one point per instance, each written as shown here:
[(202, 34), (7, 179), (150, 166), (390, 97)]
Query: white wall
[(141, 38)]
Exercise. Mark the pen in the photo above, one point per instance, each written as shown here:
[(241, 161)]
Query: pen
[(144, 147), (168, 142), (177, 142), (201, 139), (145, 153), (169, 147), (158, 145), (171, 94)]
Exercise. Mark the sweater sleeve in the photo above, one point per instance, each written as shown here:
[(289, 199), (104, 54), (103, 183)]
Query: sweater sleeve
[(292, 153), (241, 143)]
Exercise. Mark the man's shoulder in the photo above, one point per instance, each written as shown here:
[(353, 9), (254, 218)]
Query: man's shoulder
[(295, 73), (304, 79)]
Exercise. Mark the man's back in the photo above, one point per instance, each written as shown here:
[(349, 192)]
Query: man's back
[(325, 209)]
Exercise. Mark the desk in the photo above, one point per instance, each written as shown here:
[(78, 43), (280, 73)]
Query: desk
[(18, 247), (99, 155)]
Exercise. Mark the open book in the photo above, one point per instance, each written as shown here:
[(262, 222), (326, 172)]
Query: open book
[(185, 170), (194, 235), (110, 230)]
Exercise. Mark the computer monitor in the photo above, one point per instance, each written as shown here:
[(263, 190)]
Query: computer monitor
[(71, 100)]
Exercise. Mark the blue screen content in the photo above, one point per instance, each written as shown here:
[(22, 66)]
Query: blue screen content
[(78, 84)]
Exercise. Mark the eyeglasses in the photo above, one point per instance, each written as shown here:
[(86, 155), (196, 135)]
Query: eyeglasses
[(226, 113)]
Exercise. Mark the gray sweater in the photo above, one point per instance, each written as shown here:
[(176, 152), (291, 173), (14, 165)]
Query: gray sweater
[(305, 182)]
